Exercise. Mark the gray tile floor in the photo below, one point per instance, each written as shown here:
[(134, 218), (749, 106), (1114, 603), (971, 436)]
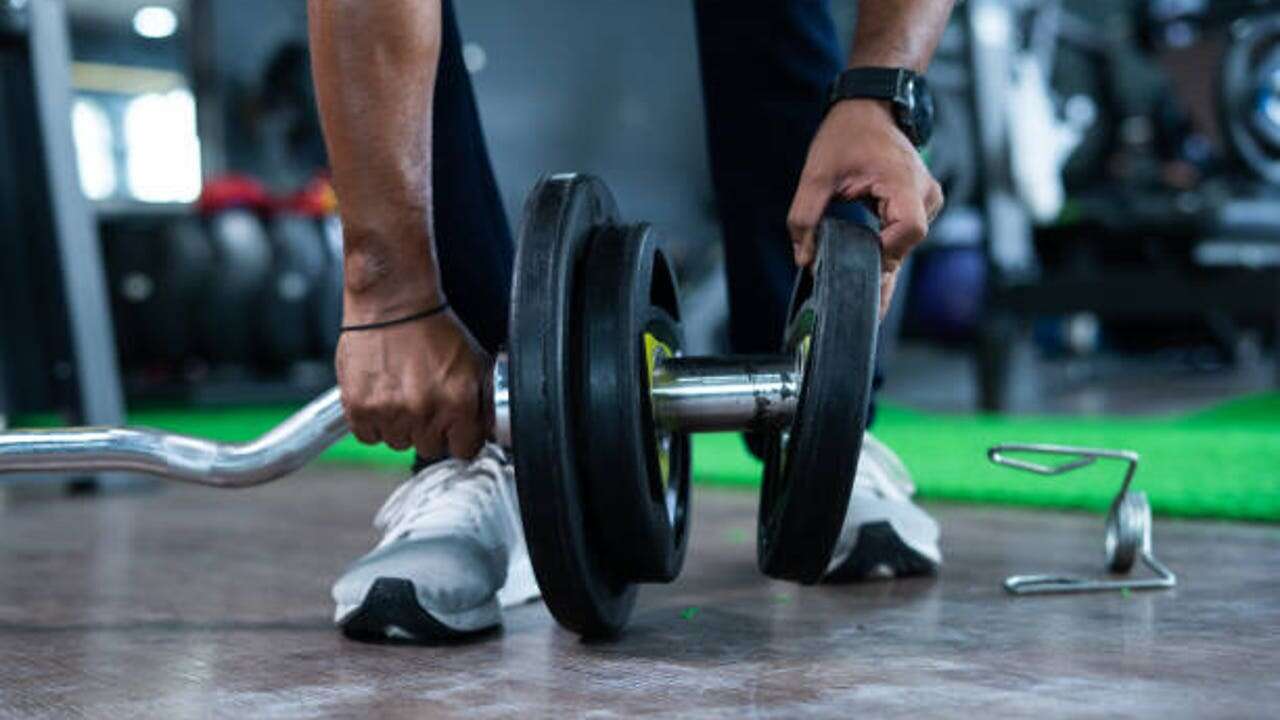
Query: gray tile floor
[(200, 603)]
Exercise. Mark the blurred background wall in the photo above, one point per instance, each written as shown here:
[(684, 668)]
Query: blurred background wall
[(1131, 236)]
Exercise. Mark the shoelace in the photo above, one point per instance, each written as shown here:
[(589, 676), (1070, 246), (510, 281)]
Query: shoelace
[(450, 493), (887, 477), (879, 483)]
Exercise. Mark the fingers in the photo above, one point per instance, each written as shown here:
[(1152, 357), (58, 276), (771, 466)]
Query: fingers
[(397, 430), (905, 211), (934, 200), (888, 283), (904, 222), (807, 207), (362, 418)]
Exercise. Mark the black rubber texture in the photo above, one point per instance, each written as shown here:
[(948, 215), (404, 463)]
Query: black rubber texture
[(561, 216), (175, 257), (394, 602), (628, 290), (804, 496), (879, 545)]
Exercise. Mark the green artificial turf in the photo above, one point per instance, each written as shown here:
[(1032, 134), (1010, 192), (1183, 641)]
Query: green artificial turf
[(1223, 462), (1219, 463)]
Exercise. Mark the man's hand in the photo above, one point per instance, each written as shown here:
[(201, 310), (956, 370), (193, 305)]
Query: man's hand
[(860, 154), (424, 384)]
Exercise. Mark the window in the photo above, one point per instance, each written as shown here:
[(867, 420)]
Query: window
[(162, 150), (95, 149)]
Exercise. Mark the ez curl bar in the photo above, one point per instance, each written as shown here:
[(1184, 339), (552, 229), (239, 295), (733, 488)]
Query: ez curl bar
[(596, 401)]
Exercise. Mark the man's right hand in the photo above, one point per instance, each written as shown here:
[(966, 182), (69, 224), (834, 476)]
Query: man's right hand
[(424, 384)]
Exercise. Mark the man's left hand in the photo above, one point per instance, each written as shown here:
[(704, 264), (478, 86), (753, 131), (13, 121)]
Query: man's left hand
[(860, 154)]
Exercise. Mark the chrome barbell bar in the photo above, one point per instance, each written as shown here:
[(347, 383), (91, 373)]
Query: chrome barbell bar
[(688, 395)]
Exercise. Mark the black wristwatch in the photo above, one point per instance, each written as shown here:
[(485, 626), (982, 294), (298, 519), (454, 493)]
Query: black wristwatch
[(906, 91)]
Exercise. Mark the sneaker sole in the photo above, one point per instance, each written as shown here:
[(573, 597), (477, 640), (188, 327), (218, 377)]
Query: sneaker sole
[(390, 613), (880, 548)]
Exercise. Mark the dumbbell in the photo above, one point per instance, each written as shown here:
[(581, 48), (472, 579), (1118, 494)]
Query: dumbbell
[(596, 401)]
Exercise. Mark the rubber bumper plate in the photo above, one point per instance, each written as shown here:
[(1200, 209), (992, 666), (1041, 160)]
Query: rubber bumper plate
[(810, 466), (638, 474), (561, 217)]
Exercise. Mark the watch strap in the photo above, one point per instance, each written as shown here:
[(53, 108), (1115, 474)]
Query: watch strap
[(870, 82)]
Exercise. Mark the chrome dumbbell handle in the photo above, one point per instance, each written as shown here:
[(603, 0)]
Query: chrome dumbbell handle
[(699, 394), (711, 394)]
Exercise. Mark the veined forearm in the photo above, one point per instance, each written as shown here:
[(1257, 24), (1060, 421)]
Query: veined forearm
[(898, 33), (375, 64)]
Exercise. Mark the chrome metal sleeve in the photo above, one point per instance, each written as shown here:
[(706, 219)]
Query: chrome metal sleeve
[(502, 401), (709, 394)]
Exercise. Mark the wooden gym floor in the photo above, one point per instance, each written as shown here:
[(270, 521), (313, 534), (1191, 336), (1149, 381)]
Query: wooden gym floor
[(193, 602)]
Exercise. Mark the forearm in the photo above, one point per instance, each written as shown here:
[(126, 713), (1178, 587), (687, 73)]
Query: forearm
[(375, 65), (898, 33)]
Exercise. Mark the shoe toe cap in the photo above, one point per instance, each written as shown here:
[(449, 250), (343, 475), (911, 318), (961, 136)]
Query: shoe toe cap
[(449, 575)]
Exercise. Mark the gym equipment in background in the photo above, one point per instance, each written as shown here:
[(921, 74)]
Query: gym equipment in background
[(317, 202), (53, 293), (157, 269), (1250, 95), (328, 315), (950, 156), (241, 266), (596, 402), (1128, 524), (1154, 234), (291, 293)]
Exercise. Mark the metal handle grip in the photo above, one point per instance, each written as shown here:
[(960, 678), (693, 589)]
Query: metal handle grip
[(282, 450)]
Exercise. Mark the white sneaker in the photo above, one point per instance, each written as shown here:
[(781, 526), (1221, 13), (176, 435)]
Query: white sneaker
[(885, 534), (452, 554)]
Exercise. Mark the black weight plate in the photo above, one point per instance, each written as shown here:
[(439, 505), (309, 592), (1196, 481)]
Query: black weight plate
[(561, 216), (133, 270), (1265, 118), (240, 268), (156, 268), (810, 467), (187, 257), (1246, 125), (639, 478), (286, 307)]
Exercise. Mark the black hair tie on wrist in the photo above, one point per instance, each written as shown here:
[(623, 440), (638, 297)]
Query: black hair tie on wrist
[(398, 321)]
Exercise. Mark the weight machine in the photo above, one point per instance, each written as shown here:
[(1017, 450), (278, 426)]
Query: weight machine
[(1208, 235)]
